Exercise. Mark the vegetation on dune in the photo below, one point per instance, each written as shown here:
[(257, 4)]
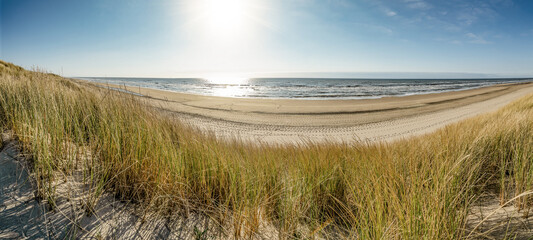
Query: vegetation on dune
[(421, 187)]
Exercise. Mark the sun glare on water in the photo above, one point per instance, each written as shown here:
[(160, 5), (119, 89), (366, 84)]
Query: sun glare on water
[(226, 80), (228, 86)]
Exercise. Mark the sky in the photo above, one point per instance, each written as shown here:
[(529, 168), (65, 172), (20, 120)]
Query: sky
[(261, 38)]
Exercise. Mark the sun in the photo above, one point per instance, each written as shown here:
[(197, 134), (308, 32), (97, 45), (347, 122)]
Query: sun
[(224, 17), (225, 38)]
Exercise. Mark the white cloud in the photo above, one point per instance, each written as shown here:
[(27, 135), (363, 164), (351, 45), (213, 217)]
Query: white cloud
[(473, 38), (469, 13), (417, 4), (341, 3), (382, 7), (390, 13)]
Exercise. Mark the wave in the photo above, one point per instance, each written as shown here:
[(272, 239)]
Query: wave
[(308, 88)]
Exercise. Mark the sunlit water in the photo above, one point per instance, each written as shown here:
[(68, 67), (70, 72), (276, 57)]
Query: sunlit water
[(305, 88)]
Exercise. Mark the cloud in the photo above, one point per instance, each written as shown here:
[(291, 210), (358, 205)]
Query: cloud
[(473, 38), (475, 11), (417, 4), (470, 14), (449, 14), (390, 13), (466, 38), (382, 7), (341, 3), (455, 21)]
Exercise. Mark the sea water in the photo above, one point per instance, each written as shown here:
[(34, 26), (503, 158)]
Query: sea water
[(305, 88)]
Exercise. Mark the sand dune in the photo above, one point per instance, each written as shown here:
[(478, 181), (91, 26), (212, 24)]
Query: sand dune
[(293, 121)]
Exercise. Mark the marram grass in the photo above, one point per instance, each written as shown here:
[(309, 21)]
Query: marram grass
[(421, 187)]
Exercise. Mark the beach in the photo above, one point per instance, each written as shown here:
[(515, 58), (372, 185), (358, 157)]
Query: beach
[(146, 167), (249, 119), (281, 121)]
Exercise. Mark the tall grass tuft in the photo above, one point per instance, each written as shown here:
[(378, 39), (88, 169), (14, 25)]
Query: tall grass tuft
[(422, 187)]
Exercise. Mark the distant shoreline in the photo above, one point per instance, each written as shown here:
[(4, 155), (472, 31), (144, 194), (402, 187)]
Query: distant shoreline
[(306, 88)]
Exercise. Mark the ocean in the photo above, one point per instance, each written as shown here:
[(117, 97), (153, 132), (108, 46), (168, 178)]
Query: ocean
[(304, 88)]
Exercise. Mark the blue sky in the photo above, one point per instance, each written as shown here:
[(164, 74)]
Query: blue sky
[(194, 38)]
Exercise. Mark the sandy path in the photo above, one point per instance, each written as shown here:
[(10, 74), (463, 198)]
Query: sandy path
[(293, 121)]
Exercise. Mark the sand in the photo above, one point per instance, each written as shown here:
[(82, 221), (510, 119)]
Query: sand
[(282, 121), (21, 215)]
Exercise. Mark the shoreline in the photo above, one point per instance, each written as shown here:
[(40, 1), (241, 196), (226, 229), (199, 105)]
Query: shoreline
[(286, 121), (339, 98)]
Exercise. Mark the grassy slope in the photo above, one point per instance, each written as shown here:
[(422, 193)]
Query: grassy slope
[(420, 187)]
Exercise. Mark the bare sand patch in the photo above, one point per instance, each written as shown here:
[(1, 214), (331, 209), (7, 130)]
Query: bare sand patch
[(491, 219)]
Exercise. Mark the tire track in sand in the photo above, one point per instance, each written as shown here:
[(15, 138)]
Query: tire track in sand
[(380, 131)]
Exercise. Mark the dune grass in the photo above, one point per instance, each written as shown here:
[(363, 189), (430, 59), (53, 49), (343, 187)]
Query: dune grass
[(421, 187)]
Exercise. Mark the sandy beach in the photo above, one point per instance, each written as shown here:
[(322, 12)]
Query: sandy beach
[(295, 121)]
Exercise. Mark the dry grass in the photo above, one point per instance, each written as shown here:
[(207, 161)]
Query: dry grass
[(416, 188)]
